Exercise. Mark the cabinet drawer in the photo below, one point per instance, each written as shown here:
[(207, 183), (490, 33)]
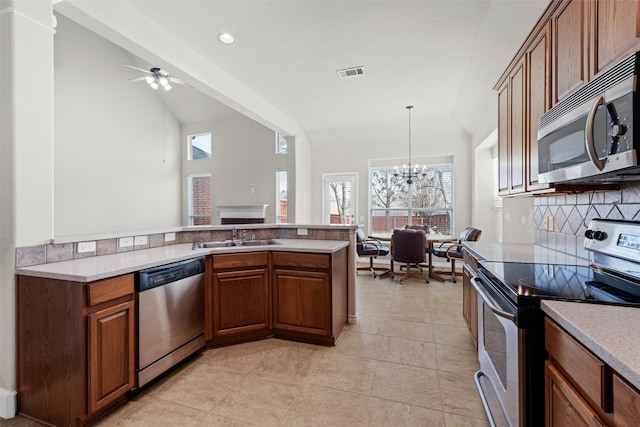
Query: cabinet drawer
[(588, 373), (106, 290), (240, 260), (304, 260), (470, 260), (626, 403)]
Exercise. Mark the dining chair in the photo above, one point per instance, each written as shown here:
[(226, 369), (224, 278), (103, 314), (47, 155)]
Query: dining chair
[(453, 251), (369, 247), (408, 247)]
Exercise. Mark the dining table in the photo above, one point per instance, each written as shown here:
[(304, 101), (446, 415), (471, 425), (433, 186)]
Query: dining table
[(430, 239)]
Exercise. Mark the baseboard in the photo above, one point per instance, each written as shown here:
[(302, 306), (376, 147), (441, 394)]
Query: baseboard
[(352, 319), (8, 403)]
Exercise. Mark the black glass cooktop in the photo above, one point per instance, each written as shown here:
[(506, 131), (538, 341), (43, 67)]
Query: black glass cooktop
[(522, 281)]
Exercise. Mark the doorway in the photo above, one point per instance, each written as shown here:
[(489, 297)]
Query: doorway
[(339, 198)]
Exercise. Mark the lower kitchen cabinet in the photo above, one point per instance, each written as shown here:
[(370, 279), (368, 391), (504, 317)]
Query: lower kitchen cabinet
[(111, 354), (564, 406), (470, 296), (240, 301), (309, 295), (582, 390), (75, 347)]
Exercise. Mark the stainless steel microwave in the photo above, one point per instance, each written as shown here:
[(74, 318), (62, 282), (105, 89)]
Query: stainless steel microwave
[(590, 136)]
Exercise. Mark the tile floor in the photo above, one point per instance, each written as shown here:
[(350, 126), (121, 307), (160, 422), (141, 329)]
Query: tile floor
[(408, 362)]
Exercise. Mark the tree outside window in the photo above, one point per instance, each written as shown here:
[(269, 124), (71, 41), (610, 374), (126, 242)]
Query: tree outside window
[(428, 201)]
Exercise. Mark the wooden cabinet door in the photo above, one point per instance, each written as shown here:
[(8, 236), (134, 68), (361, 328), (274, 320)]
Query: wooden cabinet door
[(111, 354), (470, 303), (241, 302), (617, 32), (503, 139), (626, 403), (518, 112), (302, 301), (538, 101), (570, 34), (564, 406)]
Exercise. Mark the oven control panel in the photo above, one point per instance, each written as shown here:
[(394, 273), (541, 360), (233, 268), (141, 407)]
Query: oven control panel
[(617, 238)]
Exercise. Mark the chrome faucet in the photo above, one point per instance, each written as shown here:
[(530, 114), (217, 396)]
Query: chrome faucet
[(234, 234)]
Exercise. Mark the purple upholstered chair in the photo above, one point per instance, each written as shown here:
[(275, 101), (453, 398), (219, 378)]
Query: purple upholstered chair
[(368, 247), (408, 247), (453, 252)]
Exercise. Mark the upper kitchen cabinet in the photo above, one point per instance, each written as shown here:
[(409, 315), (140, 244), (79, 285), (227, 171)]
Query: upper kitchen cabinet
[(538, 95), (570, 32), (572, 42), (617, 32), (512, 129)]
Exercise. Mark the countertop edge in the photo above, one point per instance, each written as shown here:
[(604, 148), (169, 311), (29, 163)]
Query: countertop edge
[(579, 321), (106, 266)]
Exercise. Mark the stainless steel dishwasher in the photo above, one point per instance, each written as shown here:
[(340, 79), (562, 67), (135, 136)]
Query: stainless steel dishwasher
[(170, 316)]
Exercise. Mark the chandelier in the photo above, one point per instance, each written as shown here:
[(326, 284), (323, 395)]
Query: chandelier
[(409, 172)]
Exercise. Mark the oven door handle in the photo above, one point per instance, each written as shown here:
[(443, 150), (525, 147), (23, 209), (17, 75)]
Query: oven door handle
[(588, 134), (490, 302)]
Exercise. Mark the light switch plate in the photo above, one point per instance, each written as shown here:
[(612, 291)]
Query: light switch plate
[(140, 240), (125, 242), (303, 232), (84, 247), (169, 237)]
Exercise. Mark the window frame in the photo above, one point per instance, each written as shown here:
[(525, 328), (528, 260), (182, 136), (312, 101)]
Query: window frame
[(409, 210)]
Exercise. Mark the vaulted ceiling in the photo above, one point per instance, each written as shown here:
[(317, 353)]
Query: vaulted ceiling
[(444, 57)]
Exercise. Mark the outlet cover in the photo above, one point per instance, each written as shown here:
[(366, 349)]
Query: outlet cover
[(169, 237), (303, 232), (140, 240), (125, 242), (550, 224), (84, 247)]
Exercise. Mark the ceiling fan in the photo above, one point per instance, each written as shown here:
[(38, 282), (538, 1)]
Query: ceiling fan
[(156, 77)]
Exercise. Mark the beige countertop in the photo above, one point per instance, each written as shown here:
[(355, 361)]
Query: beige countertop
[(520, 252), (105, 266), (610, 332)]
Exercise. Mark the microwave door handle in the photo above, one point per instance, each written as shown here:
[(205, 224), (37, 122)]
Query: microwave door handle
[(489, 301), (588, 134)]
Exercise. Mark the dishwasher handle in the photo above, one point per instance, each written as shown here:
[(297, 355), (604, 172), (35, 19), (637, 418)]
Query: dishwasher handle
[(165, 274)]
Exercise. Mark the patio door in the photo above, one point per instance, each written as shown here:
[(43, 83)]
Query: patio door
[(339, 198)]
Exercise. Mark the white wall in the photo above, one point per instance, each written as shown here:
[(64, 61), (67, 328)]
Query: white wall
[(517, 220), (243, 154), (482, 185), (26, 169), (117, 159), (350, 149)]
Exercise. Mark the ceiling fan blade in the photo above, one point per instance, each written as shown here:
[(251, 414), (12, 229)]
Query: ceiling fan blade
[(176, 80), (136, 68), (137, 79), (162, 72)]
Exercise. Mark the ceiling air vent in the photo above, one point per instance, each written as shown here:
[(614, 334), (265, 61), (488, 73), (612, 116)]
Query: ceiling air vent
[(350, 72)]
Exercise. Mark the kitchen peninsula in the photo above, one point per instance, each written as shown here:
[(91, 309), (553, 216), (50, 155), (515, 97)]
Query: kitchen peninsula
[(77, 319)]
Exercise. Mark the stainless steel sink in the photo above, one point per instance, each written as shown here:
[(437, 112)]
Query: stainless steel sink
[(262, 242), (216, 244), (231, 243)]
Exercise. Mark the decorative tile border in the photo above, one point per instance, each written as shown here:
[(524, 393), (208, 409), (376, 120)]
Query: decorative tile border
[(42, 254), (572, 213)]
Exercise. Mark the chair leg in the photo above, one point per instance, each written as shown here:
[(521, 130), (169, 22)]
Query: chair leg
[(453, 270), (411, 274)]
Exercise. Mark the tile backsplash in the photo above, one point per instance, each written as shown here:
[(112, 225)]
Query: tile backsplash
[(571, 214), (43, 254)]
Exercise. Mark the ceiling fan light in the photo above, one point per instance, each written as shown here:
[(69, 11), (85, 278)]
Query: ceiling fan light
[(149, 79), (154, 85), (167, 87), (226, 38), (163, 81)]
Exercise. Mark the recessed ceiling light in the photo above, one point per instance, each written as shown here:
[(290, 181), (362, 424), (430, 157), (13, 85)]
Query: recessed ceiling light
[(226, 38)]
